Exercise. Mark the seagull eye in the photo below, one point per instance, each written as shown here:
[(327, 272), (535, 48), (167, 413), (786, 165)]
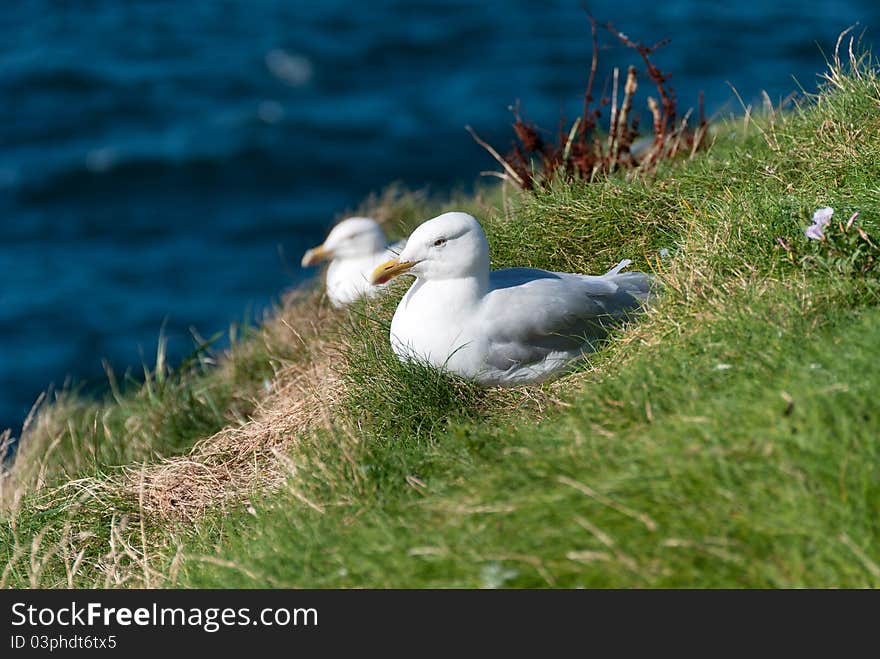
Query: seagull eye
[(440, 242)]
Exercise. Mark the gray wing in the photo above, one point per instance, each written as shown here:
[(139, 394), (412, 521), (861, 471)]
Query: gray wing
[(536, 313)]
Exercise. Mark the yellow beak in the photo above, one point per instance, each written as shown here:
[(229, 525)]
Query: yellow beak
[(315, 255), (389, 270)]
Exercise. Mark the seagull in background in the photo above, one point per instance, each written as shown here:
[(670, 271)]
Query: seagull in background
[(354, 248)]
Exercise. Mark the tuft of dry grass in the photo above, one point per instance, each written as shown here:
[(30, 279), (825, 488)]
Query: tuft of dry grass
[(117, 524), (245, 457), (240, 460)]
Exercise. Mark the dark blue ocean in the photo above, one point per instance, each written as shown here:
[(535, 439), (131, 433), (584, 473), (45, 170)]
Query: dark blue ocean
[(167, 162)]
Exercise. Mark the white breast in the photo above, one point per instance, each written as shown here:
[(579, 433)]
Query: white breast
[(433, 323), (348, 279)]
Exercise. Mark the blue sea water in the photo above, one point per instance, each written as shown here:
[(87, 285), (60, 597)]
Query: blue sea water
[(165, 163)]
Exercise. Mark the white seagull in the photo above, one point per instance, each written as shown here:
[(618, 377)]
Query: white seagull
[(354, 247), (503, 327)]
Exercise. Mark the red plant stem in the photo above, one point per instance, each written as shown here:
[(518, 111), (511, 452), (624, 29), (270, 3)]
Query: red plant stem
[(594, 66)]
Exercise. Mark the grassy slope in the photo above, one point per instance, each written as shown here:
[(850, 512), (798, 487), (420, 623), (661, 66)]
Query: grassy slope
[(732, 438)]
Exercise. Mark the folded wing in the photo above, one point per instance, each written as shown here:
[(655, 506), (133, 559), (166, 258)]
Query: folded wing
[(538, 315)]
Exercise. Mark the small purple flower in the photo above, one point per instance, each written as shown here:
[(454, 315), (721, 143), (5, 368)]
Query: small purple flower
[(814, 232), (821, 218)]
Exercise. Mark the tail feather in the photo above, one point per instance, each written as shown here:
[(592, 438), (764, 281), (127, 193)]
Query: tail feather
[(616, 269), (638, 284)]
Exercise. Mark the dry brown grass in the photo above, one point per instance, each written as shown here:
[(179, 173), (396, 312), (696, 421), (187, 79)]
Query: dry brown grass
[(42, 434), (241, 459), (244, 458), (249, 456)]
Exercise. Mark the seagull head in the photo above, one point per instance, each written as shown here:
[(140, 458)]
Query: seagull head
[(352, 238), (450, 246)]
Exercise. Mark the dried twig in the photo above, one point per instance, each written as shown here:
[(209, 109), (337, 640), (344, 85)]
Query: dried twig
[(580, 152), (510, 171)]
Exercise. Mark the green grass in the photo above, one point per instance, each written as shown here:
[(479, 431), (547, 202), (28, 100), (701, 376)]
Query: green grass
[(731, 438), (719, 484)]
